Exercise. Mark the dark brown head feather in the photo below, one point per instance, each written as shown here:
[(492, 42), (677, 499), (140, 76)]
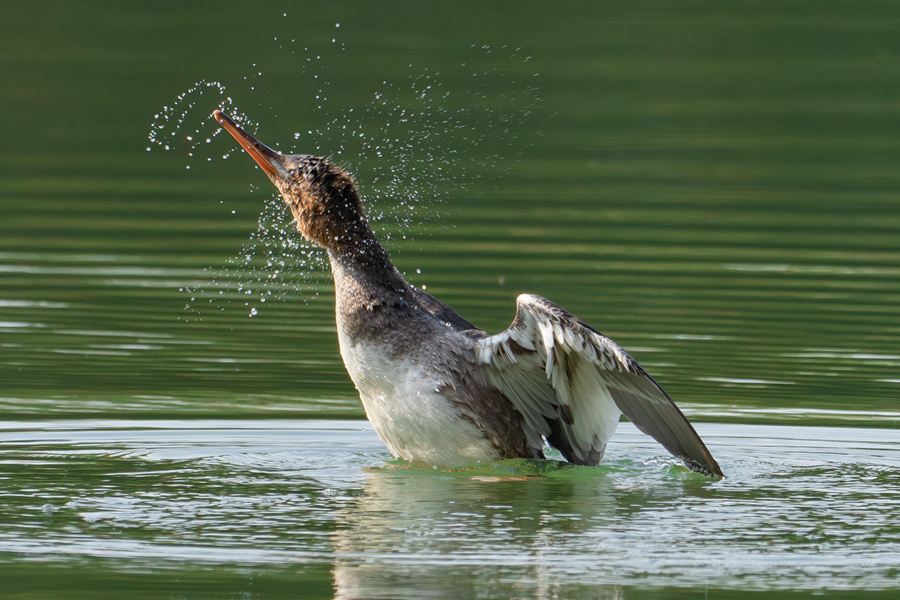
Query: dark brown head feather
[(326, 204)]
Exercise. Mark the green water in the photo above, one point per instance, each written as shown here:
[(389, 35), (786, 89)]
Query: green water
[(713, 185)]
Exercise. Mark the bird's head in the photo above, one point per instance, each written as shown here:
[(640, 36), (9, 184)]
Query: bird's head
[(322, 196)]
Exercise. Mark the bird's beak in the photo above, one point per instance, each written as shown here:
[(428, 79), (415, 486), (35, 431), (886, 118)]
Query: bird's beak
[(269, 160)]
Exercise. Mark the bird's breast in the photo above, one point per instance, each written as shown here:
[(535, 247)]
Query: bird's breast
[(400, 391)]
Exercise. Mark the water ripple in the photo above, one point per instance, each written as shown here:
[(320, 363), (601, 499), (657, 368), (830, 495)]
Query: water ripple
[(801, 507)]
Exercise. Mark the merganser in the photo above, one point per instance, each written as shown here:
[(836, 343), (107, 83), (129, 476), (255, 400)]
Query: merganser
[(440, 391)]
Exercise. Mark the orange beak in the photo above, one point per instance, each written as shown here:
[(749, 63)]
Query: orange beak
[(269, 160)]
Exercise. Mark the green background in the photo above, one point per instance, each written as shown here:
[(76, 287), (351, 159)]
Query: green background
[(713, 185)]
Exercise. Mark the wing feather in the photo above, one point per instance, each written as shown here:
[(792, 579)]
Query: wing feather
[(571, 383)]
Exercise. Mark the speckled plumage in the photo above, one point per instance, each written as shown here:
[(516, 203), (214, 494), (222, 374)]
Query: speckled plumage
[(440, 391)]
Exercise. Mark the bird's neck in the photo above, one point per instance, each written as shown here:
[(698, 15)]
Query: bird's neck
[(369, 290)]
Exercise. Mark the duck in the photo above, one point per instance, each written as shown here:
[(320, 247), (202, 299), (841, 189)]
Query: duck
[(438, 390)]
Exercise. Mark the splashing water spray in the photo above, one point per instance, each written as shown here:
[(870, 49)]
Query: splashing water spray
[(409, 147)]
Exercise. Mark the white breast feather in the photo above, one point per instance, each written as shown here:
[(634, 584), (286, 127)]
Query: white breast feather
[(413, 420)]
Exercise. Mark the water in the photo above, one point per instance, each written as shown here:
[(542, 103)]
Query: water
[(713, 186), (802, 508)]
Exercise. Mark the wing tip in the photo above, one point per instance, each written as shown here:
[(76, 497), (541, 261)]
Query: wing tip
[(710, 470)]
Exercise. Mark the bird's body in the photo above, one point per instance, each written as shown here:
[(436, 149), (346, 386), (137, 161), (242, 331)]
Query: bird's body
[(442, 392), (415, 372)]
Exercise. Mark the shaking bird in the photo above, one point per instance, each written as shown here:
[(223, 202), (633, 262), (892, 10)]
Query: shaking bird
[(440, 391)]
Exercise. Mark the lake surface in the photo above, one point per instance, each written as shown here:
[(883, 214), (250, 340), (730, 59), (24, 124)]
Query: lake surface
[(270, 503), (714, 187)]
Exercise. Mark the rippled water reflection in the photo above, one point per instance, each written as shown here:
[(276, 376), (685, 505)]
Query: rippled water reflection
[(801, 508)]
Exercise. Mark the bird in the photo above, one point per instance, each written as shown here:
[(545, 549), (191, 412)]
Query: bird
[(438, 390)]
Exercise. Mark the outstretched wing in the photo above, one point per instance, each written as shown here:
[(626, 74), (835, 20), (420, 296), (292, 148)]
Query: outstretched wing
[(571, 383)]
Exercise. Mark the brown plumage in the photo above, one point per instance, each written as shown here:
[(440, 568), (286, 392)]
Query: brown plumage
[(437, 389)]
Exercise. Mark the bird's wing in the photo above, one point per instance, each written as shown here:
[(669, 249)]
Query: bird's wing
[(571, 383)]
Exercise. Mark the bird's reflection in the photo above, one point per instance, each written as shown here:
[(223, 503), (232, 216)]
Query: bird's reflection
[(420, 533)]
